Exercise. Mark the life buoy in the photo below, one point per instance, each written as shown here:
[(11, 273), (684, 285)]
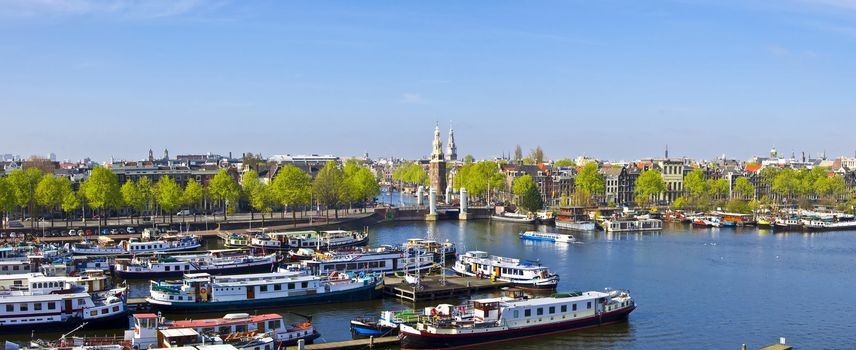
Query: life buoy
[(203, 293)]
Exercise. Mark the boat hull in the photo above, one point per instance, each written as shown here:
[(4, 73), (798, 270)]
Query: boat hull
[(362, 330), (70, 323), (514, 220), (226, 271), (425, 340), (369, 291)]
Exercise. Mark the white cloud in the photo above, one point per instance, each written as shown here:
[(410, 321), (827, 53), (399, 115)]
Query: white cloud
[(124, 8), (413, 99)]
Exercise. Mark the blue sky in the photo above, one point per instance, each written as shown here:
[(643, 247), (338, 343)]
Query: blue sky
[(610, 79)]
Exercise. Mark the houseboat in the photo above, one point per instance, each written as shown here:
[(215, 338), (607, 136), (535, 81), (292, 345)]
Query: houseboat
[(829, 225), (145, 327), (383, 326), (446, 249), (382, 260), (202, 291), (234, 240), (574, 218), (526, 274), (104, 246), (707, 221), (324, 240), (547, 236), (216, 262), (57, 302), (792, 223), (492, 320), (631, 225)]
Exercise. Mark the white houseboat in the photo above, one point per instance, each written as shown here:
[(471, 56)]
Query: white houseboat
[(382, 260), (323, 240), (213, 262), (527, 274), (135, 246), (493, 320), (202, 291)]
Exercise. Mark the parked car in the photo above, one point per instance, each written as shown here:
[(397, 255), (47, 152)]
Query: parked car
[(72, 232), (114, 231), (105, 231), (185, 212), (88, 232), (131, 230), (122, 231)]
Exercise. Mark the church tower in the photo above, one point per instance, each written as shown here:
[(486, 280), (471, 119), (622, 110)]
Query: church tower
[(437, 166), (451, 149)]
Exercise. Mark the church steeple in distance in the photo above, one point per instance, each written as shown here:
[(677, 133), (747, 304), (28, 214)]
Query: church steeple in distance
[(451, 149), (437, 149)]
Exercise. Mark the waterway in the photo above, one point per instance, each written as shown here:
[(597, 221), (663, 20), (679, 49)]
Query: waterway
[(711, 288)]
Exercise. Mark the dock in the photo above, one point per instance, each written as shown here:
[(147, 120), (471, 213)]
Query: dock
[(433, 288), (382, 342)]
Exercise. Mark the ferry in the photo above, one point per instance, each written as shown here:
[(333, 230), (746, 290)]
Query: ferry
[(214, 262), (547, 236), (324, 240), (526, 274), (59, 302), (493, 320), (631, 225), (145, 327), (202, 291), (135, 246), (384, 260), (446, 249), (384, 326)]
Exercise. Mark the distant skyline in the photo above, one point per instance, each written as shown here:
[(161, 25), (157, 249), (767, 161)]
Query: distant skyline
[(610, 79)]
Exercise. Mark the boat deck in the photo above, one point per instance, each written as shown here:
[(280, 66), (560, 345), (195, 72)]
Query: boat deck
[(433, 288), (382, 342)]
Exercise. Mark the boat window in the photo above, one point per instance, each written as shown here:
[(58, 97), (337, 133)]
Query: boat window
[(186, 267), (273, 324), (225, 330), (291, 286), (37, 306), (277, 287), (240, 328), (115, 309), (564, 308), (304, 284), (25, 307), (51, 305), (10, 307), (588, 306), (552, 310), (166, 268), (527, 312), (574, 307), (516, 314), (263, 288), (539, 311)]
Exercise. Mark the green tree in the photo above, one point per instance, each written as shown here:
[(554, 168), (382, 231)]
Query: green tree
[(363, 185), (193, 194), (327, 187), (681, 203), (224, 189), (738, 206), (168, 194), (744, 189), (479, 178), (718, 188), (589, 182), (7, 197), (648, 185), (101, 191), (786, 184), (132, 197), (147, 192), (521, 184), (49, 193), (530, 199), (565, 163), (23, 184), (71, 201), (252, 191), (695, 184), (410, 173), (469, 159), (292, 187)]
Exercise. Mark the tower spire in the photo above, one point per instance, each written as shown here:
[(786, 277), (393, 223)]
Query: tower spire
[(451, 148)]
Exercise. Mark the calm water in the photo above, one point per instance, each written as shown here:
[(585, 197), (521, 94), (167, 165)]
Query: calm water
[(716, 288)]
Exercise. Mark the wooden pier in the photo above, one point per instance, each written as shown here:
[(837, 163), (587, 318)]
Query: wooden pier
[(382, 342), (432, 288)]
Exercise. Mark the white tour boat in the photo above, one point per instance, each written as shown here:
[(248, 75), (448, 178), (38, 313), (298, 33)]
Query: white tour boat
[(213, 262), (527, 274), (382, 260), (547, 236)]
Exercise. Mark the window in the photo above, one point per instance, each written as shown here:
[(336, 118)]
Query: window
[(37, 306), (263, 289), (273, 324), (552, 310), (291, 286), (51, 306), (10, 307), (241, 328), (540, 311), (564, 308), (527, 312), (516, 314), (304, 284), (277, 287), (574, 307), (25, 307), (588, 306), (186, 267), (166, 268)]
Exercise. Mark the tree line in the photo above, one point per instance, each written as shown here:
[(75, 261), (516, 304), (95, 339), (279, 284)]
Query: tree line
[(32, 190)]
